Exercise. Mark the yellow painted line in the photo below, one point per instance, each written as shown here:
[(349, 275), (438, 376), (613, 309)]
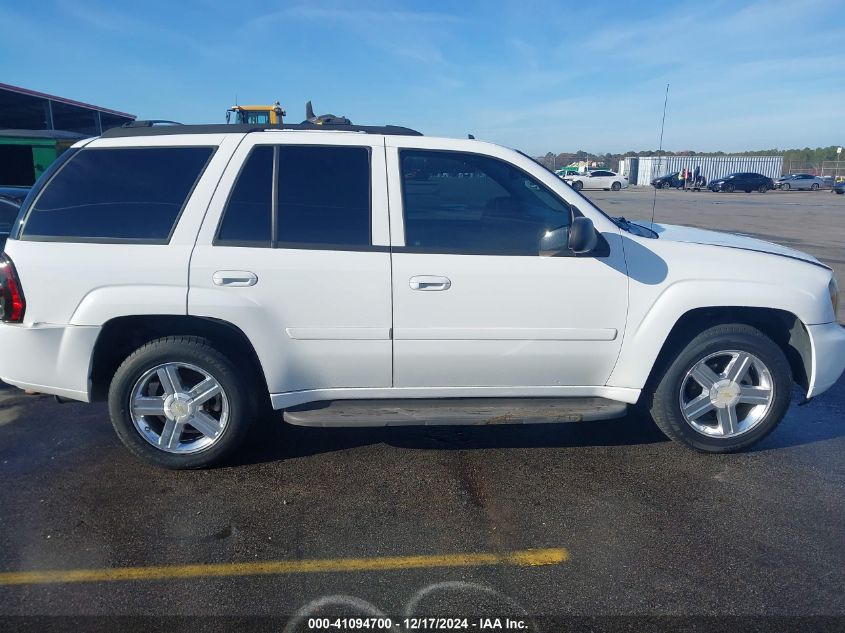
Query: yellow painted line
[(524, 558)]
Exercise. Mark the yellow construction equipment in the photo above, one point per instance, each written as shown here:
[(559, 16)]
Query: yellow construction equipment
[(256, 114)]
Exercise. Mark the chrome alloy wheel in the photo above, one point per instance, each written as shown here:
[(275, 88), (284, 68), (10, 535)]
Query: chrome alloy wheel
[(179, 408), (726, 394)]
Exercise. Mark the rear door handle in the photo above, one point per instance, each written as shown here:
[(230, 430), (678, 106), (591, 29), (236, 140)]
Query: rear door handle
[(429, 282), (234, 278)]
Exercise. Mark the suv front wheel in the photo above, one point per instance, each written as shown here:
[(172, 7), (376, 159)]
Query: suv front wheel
[(727, 389), (177, 402)]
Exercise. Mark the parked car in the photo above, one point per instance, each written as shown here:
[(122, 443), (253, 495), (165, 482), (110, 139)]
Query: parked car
[(668, 181), (743, 181), (806, 182), (193, 276), (597, 179), (675, 180), (11, 199), (839, 187), (17, 194)]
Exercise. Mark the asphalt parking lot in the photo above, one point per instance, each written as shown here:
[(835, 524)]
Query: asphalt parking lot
[(595, 518)]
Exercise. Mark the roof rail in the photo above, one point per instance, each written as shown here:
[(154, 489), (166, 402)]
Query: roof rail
[(223, 128), (149, 123)]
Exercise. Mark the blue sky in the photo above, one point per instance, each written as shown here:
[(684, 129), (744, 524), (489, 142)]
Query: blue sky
[(539, 76)]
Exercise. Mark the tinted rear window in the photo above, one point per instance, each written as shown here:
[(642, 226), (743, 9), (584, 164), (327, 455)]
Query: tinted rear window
[(117, 194)]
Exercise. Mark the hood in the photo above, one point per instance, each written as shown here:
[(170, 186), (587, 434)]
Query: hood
[(692, 235)]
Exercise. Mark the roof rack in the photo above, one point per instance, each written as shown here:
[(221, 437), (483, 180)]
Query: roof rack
[(149, 123), (223, 128)]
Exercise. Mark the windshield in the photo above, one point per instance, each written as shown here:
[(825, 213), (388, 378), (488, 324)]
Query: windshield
[(256, 118), (259, 117)]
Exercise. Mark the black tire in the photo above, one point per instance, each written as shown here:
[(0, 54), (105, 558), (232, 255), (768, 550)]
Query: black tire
[(194, 351), (814, 186), (785, 186), (763, 189), (729, 188), (577, 185), (665, 184), (616, 186), (662, 396)]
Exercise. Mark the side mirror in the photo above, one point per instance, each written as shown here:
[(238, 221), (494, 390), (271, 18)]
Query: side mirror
[(554, 241), (582, 235)]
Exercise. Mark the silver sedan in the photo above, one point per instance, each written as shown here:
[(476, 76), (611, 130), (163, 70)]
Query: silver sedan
[(799, 181)]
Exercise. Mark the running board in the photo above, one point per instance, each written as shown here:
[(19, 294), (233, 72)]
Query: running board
[(445, 411)]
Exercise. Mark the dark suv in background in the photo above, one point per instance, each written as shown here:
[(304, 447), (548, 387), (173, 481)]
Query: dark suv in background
[(11, 199), (743, 181)]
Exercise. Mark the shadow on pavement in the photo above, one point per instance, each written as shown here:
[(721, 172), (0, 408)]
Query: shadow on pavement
[(272, 439), (275, 440)]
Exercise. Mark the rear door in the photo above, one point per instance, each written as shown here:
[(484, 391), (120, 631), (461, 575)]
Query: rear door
[(294, 251)]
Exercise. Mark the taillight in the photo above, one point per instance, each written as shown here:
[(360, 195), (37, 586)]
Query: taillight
[(12, 302)]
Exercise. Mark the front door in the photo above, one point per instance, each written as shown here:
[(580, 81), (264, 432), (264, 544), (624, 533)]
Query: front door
[(476, 304)]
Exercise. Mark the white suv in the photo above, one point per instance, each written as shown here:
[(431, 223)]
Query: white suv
[(191, 275)]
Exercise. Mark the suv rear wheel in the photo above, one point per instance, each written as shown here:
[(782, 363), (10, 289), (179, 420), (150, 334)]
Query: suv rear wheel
[(727, 389), (177, 402)]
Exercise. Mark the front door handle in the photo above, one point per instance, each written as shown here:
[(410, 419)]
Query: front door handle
[(429, 282), (234, 278)]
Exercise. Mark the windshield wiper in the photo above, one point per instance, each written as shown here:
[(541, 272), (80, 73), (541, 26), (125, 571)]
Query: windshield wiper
[(632, 227)]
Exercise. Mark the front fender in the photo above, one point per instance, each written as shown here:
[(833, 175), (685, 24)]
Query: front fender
[(656, 305)]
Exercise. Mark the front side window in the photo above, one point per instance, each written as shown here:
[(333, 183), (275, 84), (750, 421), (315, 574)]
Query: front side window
[(125, 194), (475, 204)]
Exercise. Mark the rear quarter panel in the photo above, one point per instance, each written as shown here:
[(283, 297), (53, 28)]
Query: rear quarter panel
[(84, 283)]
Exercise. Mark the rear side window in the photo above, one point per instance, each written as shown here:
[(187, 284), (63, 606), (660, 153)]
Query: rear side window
[(126, 194), (247, 220), (324, 196), (322, 199)]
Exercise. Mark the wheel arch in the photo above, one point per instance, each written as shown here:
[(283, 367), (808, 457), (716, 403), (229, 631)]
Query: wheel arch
[(120, 336), (783, 327)]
